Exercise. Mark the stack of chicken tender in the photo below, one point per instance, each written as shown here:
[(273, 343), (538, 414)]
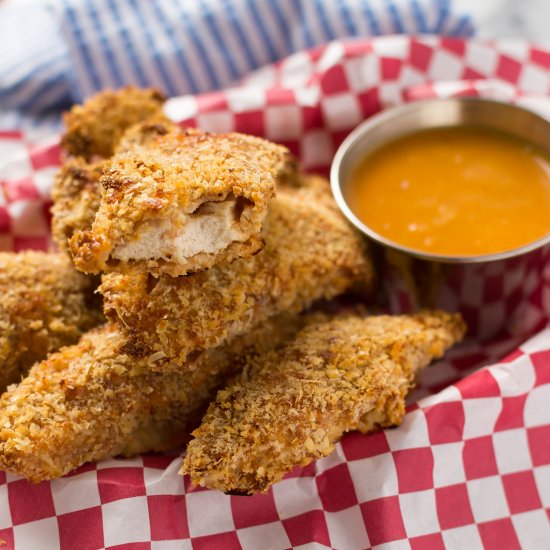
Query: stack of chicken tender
[(213, 251)]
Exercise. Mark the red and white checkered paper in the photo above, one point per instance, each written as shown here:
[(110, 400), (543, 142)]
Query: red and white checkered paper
[(470, 465)]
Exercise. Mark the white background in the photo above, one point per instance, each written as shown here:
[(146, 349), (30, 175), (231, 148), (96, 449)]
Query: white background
[(510, 18)]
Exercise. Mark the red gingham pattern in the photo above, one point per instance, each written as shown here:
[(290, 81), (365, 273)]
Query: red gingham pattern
[(506, 298), (469, 467)]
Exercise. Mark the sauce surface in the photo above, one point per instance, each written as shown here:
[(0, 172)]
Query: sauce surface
[(464, 191)]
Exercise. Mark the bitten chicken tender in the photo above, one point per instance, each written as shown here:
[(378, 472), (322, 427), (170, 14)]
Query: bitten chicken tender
[(95, 131), (182, 202), (44, 304), (94, 128), (311, 252), (90, 401), (292, 405)]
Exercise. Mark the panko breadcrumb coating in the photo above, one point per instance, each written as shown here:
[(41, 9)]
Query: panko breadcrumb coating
[(90, 401), (94, 128), (76, 191), (291, 406), (76, 195), (311, 252), (145, 133), (181, 202), (44, 304)]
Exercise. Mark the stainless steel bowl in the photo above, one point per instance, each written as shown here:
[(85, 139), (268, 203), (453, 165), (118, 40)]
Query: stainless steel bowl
[(434, 113)]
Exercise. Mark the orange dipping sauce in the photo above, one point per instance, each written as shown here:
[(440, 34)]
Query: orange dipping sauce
[(460, 191)]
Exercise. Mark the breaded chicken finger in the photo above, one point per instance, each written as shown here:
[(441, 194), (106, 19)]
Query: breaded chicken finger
[(94, 128), (182, 202), (95, 131), (311, 252), (44, 304), (89, 401), (76, 192), (291, 406)]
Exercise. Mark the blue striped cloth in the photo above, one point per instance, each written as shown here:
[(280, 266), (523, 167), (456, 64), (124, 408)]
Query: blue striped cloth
[(56, 52)]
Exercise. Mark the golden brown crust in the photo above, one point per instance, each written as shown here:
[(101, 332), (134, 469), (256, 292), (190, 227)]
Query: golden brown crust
[(291, 406), (168, 179), (44, 304), (145, 132), (311, 252), (94, 128), (91, 401), (76, 195)]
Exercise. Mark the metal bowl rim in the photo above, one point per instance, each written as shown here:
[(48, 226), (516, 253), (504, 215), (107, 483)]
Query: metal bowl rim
[(382, 118)]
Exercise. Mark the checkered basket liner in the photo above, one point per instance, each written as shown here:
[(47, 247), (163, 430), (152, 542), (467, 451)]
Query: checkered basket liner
[(470, 465)]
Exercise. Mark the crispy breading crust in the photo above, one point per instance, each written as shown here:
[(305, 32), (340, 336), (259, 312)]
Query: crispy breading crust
[(90, 401), (94, 128), (76, 195), (311, 252), (291, 406), (168, 179), (44, 304), (144, 133)]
